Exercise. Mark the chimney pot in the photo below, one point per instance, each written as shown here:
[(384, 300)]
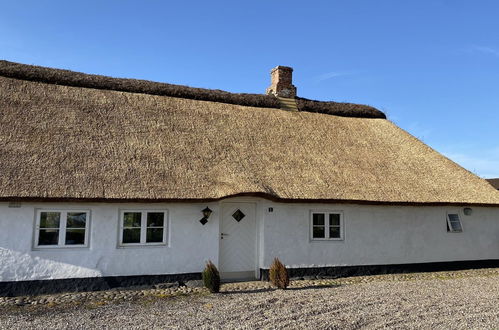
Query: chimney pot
[(282, 82)]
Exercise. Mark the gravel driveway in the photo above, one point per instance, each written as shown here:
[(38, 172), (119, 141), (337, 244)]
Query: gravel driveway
[(454, 300)]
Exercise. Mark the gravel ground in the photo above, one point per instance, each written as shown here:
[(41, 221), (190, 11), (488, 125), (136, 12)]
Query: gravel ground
[(456, 300)]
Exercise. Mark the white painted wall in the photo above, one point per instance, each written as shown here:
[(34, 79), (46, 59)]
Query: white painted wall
[(190, 244), (373, 235), (379, 235)]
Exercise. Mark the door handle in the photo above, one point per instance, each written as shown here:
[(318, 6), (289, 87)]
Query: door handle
[(222, 235)]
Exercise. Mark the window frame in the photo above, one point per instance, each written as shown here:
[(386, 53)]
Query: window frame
[(61, 243), (143, 228), (327, 225), (449, 226)]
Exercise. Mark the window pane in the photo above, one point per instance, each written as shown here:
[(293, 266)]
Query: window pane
[(76, 220), (334, 232), (132, 219), (455, 222), (75, 236), (318, 232), (50, 219), (318, 219), (456, 226), (154, 235), (48, 237), (131, 235), (238, 215), (334, 219), (155, 219)]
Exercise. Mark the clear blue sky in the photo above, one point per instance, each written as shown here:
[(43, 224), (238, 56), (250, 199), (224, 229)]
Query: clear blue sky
[(432, 66)]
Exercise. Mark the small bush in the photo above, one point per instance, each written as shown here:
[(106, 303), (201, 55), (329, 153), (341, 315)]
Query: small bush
[(211, 277), (278, 274)]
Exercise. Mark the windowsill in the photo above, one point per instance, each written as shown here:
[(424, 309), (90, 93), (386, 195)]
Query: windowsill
[(131, 246), (55, 248), (327, 240)]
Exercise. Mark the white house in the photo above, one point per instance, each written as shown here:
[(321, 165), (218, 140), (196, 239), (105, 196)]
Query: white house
[(107, 182)]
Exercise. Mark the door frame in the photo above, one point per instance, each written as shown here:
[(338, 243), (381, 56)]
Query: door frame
[(253, 204)]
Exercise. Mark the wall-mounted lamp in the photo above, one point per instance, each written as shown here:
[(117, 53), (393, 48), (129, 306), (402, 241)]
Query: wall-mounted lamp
[(467, 211), (206, 214)]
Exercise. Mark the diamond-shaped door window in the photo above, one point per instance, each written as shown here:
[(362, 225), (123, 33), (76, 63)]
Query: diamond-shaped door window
[(238, 215)]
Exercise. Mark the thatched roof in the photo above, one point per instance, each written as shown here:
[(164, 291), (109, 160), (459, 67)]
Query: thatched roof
[(494, 183), (61, 140)]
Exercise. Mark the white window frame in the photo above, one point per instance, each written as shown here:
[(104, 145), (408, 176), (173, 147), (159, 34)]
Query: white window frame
[(449, 226), (143, 228), (326, 225), (62, 229)]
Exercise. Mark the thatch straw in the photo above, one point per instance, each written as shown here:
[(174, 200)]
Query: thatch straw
[(63, 142), (77, 79)]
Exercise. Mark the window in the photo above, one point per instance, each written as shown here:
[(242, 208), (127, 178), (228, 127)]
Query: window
[(454, 223), (326, 226), (61, 228), (143, 228)]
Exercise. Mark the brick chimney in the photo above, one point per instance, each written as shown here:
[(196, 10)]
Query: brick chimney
[(282, 82)]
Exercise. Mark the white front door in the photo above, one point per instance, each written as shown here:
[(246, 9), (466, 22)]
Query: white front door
[(237, 240)]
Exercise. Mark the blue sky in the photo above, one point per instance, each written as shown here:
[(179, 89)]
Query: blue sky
[(432, 66)]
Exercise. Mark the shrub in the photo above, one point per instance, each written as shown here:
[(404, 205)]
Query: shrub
[(211, 277), (278, 274)]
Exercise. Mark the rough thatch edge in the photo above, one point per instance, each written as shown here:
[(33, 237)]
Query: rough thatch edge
[(78, 79)]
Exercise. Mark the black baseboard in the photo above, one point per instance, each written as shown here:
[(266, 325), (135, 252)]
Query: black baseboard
[(345, 271), (31, 288), (24, 288)]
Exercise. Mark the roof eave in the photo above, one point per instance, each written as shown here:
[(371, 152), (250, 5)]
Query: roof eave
[(259, 195)]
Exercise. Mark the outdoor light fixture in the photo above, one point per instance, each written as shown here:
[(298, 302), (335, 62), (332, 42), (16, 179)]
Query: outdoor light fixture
[(467, 211), (206, 214)]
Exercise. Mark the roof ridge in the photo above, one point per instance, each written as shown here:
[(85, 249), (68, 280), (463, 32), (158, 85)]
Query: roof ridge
[(85, 80)]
